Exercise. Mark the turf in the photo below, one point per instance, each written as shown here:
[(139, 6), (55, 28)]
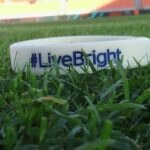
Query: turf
[(103, 110)]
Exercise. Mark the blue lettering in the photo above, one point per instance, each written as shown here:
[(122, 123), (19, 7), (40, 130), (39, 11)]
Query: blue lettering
[(102, 59), (78, 58), (111, 55), (67, 60), (56, 59), (94, 57), (42, 65), (118, 53)]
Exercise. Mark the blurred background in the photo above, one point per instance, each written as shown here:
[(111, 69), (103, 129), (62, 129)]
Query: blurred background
[(36, 10)]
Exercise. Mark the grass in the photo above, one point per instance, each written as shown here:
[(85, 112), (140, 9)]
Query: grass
[(99, 111)]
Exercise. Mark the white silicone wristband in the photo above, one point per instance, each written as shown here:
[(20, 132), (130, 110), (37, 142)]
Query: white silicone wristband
[(40, 54)]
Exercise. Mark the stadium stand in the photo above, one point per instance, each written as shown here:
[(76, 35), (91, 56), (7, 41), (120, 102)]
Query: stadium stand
[(145, 4), (54, 9), (118, 5), (112, 5), (30, 1)]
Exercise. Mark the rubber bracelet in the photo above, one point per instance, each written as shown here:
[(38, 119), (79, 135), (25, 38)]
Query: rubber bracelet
[(41, 54)]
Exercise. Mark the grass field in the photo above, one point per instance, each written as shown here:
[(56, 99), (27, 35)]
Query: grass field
[(104, 110)]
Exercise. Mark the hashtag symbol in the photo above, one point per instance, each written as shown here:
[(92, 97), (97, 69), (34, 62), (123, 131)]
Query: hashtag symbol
[(33, 60)]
